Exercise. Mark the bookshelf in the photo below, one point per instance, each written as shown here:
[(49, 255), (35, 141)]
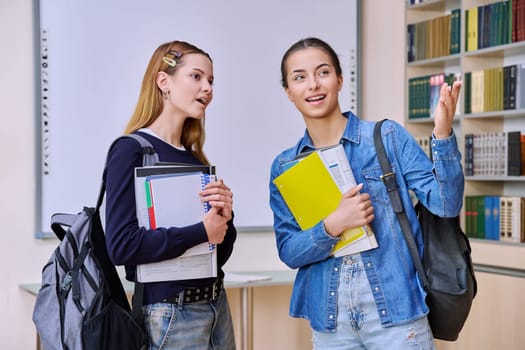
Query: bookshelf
[(430, 27)]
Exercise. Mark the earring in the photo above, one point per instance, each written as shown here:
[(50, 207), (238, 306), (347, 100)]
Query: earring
[(165, 94)]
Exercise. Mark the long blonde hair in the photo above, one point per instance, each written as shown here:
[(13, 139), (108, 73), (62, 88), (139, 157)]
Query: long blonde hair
[(150, 102)]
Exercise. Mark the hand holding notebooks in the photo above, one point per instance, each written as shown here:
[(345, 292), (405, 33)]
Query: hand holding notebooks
[(312, 187), (167, 196)]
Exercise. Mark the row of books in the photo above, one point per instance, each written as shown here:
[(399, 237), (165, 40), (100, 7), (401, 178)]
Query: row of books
[(437, 37), (495, 154), (423, 94), (485, 90), (487, 25), (495, 218), (494, 24), (495, 89), (168, 196), (312, 187)]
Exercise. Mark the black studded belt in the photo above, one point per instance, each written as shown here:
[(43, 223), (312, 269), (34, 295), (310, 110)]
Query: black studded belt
[(208, 292)]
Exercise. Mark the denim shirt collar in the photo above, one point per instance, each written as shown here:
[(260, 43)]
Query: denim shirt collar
[(352, 133)]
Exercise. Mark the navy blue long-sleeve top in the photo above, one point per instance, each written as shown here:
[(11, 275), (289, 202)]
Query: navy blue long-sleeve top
[(131, 245)]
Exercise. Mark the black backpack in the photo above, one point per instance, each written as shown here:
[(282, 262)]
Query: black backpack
[(82, 303), (445, 271)]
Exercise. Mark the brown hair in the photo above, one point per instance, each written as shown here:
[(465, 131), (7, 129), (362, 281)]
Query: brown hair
[(150, 102)]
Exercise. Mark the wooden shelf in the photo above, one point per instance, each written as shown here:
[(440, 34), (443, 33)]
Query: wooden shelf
[(451, 60)]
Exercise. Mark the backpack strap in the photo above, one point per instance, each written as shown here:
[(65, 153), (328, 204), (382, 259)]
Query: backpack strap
[(389, 179), (58, 221), (149, 157)]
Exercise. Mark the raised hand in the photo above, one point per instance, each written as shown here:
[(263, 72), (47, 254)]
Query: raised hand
[(445, 109)]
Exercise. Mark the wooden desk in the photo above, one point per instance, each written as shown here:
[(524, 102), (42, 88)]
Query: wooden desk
[(277, 278)]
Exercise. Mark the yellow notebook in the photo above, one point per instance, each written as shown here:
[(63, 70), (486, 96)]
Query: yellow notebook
[(309, 190), (311, 193)]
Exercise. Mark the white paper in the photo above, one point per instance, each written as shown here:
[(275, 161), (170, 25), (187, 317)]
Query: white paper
[(181, 268), (362, 244), (176, 199), (337, 162)]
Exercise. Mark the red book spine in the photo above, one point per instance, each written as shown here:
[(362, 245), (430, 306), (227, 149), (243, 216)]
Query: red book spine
[(520, 20), (514, 16)]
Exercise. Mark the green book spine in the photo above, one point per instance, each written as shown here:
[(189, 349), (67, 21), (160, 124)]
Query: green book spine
[(467, 94), (480, 209)]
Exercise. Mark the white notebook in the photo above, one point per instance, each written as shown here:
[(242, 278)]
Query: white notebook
[(172, 200)]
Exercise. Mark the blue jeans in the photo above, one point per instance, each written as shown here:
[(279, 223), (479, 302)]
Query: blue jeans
[(358, 323), (202, 325)]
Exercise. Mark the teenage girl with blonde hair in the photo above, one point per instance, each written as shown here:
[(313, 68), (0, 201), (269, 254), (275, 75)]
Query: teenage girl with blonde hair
[(190, 314)]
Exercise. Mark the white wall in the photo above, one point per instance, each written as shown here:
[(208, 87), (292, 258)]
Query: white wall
[(21, 256), (383, 61)]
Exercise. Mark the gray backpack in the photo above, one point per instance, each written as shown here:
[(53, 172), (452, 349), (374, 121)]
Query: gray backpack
[(82, 303)]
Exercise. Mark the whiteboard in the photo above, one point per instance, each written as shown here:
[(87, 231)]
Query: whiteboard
[(92, 57)]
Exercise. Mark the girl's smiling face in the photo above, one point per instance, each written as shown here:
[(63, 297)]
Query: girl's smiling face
[(313, 84)]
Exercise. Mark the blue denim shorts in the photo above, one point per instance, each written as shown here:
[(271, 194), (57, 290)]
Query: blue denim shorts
[(358, 323), (205, 325)]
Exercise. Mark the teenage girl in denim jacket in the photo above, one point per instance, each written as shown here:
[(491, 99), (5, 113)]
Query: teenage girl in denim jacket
[(373, 299)]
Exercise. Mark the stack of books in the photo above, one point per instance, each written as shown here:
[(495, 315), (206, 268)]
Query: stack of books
[(168, 196), (312, 187)]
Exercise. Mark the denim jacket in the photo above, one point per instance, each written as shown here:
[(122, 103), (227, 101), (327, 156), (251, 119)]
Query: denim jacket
[(399, 297)]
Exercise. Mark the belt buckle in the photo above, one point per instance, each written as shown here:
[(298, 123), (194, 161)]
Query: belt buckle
[(215, 290)]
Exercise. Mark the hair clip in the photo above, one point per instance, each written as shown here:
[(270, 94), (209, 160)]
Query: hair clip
[(171, 61)]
